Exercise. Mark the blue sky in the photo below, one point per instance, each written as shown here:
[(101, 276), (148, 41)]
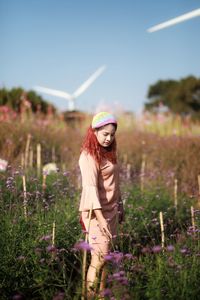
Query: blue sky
[(60, 43)]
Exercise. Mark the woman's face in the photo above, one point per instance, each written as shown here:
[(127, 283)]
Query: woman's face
[(105, 135)]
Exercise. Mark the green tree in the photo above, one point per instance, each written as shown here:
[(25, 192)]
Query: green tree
[(12, 98), (181, 96)]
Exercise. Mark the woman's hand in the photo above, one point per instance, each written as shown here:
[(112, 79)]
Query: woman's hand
[(103, 225), (104, 228)]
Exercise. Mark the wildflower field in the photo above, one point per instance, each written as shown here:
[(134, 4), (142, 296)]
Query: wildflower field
[(157, 252)]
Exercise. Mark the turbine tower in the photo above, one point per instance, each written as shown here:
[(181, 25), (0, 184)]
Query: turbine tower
[(72, 97), (174, 21)]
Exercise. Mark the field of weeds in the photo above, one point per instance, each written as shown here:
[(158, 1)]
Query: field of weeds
[(157, 252)]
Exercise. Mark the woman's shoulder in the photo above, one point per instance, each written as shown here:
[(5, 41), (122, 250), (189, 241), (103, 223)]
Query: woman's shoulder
[(84, 154), (88, 158)]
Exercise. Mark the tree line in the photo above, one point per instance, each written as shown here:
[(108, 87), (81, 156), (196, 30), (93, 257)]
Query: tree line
[(15, 98), (178, 96)]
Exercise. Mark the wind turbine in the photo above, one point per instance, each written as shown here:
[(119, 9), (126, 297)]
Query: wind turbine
[(174, 21), (72, 97)]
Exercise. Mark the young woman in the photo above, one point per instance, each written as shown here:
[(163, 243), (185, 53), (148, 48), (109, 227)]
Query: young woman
[(100, 192)]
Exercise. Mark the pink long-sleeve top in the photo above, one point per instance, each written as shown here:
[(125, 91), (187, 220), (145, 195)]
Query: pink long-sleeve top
[(100, 185)]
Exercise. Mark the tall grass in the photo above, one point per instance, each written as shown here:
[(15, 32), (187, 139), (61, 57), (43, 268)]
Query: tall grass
[(32, 267)]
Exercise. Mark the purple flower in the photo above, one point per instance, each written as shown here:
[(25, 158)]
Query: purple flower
[(66, 173), (170, 248), (82, 245), (46, 237), (184, 250), (115, 257), (171, 262), (116, 275), (124, 281), (128, 256), (121, 273), (59, 296), (38, 251), (51, 248), (21, 258), (155, 220), (62, 250), (17, 297), (108, 257), (146, 250), (191, 230), (156, 249), (106, 293)]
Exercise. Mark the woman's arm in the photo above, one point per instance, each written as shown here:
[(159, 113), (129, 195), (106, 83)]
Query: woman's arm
[(102, 223)]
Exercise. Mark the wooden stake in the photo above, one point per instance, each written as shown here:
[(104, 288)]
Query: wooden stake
[(175, 193), (128, 171), (31, 157), (53, 154), (27, 151), (125, 158), (25, 197), (142, 172), (199, 187), (53, 233), (83, 297), (38, 159), (53, 254), (162, 230), (192, 217), (44, 182), (63, 167), (22, 160)]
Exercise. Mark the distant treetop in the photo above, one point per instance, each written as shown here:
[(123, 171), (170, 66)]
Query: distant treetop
[(179, 96)]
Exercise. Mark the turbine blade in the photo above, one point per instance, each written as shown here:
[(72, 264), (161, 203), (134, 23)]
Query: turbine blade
[(182, 18), (57, 93), (88, 82)]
